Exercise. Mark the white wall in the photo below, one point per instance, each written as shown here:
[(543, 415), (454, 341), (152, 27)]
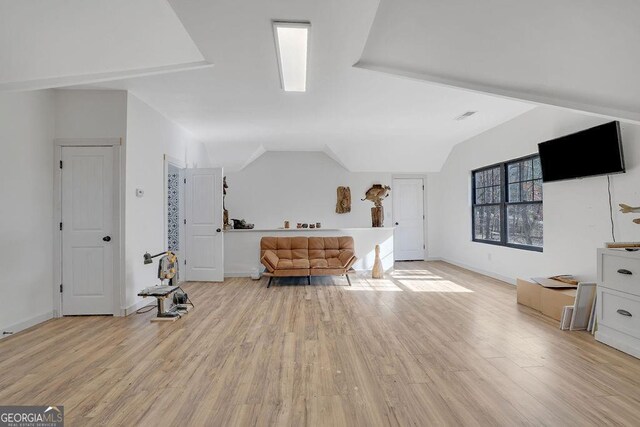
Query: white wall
[(301, 187), (576, 213), (150, 136), (90, 114), (26, 232)]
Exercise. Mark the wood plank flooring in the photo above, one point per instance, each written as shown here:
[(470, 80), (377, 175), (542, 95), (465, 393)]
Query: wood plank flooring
[(432, 344)]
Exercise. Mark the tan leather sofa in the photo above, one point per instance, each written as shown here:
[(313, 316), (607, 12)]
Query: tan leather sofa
[(307, 256)]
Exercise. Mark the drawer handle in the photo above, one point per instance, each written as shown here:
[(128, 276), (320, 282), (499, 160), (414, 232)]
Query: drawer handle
[(624, 313), (625, 271)]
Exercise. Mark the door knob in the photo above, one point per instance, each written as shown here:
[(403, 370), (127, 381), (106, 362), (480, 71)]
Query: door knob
[(397, 223), (218, 230), (107, 238)]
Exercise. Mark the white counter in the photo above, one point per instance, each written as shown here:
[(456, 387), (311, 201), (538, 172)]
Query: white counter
[(242, 247)]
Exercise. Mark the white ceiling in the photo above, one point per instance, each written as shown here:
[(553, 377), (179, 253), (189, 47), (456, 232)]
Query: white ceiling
[(578, 54), (53, 43), (366, 120)]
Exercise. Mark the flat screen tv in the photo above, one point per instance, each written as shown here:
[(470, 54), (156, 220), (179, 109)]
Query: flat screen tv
[(595, 151)]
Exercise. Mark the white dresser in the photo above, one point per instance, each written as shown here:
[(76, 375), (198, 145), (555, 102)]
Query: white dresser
[(618, 303)]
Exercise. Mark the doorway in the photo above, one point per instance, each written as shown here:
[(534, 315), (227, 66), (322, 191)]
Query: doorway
[(408, 219), (88, 229), (174, 210), (204, 238)]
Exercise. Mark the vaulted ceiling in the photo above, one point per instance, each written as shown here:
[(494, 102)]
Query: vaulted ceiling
[(436, 58), (576, 54)]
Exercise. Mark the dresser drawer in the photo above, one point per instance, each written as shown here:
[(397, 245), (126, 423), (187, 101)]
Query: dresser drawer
[(620, 273), (619, 311)]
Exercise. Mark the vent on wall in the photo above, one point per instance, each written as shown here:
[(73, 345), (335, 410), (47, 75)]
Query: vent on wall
[(465, 115)]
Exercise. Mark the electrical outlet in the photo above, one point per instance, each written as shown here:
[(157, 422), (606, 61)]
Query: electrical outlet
[(139, 192)]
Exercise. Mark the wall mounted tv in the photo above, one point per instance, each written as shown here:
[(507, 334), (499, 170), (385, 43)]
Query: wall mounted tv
[(595, 151)]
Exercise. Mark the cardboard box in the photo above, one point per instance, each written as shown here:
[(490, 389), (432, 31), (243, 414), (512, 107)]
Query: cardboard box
[(548, 301), (529, 294)]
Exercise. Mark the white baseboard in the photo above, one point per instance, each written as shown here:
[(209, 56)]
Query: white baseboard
[(491, 274), (135, 306), (25, 324), (237, 274)]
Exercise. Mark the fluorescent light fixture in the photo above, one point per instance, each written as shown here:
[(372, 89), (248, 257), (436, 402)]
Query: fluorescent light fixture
[(292, 44)]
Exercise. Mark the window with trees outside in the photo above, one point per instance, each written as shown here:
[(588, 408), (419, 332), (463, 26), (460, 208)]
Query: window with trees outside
[(507, 204)]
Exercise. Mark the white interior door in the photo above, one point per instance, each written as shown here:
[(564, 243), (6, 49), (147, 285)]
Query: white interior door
[(203, 202), (87, 230), (408, 218)]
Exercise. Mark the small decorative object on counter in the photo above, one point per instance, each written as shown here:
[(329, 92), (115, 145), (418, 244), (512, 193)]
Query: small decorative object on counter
[(286, 224), (318, 225), (241, 224), (377, 194), (377, 272), (299, 225), (312, 225), (305, 225), (343, 204)]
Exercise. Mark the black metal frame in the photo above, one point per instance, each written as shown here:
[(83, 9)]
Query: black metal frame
[(308, 280), (504, 174)]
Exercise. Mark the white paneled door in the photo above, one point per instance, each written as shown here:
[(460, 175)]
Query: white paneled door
[(203, 199), (408, 218), (87, 230)]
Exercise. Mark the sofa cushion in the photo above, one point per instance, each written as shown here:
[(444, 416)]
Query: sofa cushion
[(291, 264), (270, 260), (326, 263), (329, 247)]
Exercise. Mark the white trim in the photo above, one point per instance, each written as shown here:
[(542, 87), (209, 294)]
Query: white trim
[(87, 142), (509, 280), (136, 306), (238, 274), (615, 112), (26, 324), (84, 79), (118, 218)]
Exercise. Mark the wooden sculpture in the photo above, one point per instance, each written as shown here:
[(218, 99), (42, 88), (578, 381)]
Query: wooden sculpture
[(377, 194), (629, 209), (377, 272), (344, 200)]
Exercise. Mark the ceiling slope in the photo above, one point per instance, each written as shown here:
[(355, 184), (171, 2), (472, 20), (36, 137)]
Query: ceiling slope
[(60, 43), (367, 121), (577, 54)]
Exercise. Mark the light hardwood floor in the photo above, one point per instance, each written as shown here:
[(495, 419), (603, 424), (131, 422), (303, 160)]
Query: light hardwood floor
[(432, 344)]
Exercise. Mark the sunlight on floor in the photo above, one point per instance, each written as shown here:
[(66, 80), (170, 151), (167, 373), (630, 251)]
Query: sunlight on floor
[(409, 280), (431, 285), (374, 285)]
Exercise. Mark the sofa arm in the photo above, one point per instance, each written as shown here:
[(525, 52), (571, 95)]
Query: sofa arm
[(270, 261), (346, 257)]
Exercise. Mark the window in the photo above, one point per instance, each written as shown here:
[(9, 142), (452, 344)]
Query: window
[(507, 204)]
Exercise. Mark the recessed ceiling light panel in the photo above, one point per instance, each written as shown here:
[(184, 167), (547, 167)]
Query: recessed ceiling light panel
[(292, 46)]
